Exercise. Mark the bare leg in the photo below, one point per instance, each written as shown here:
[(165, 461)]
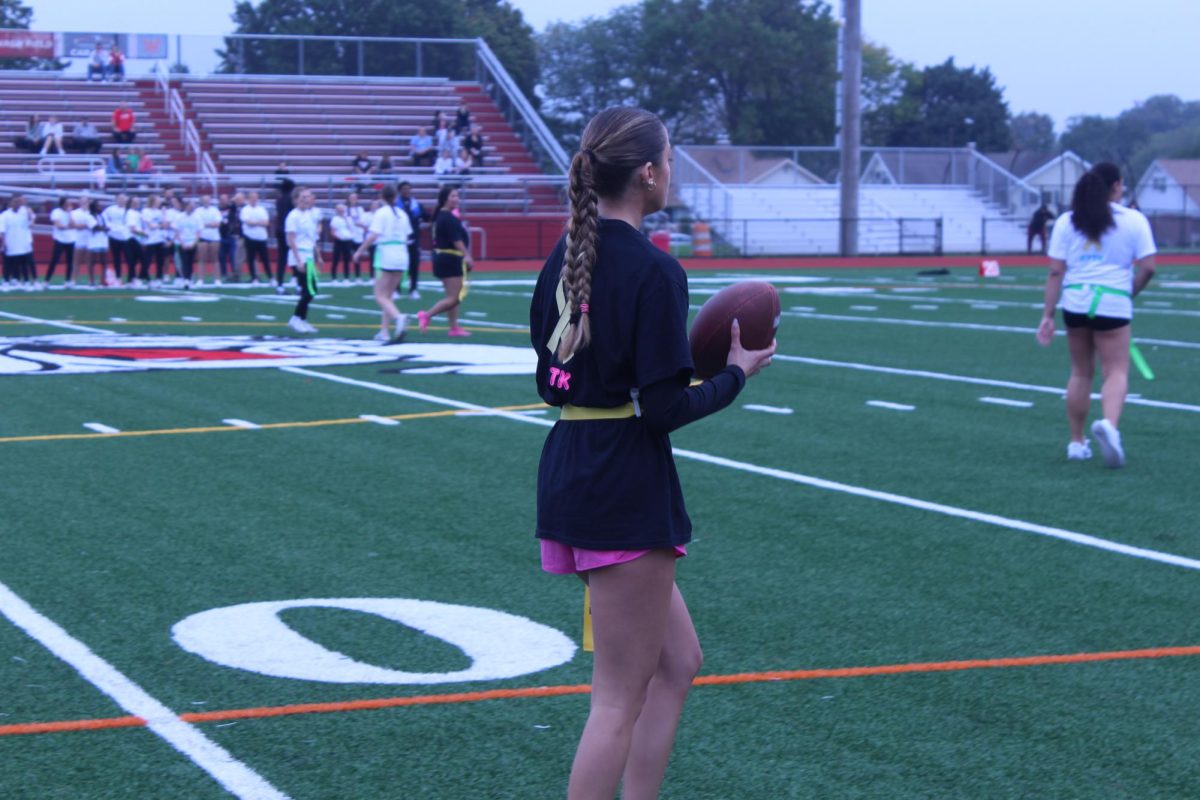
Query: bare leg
[(385, 286), (631, 605), (654, 733), (1079, 386), (450, 301), (1113, 347)]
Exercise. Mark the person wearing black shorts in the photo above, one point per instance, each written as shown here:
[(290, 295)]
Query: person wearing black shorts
[(608, 321), (1101, 257), (451, 261), (411, 206)]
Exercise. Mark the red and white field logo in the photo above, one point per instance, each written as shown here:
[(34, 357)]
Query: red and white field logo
[(77, 354)]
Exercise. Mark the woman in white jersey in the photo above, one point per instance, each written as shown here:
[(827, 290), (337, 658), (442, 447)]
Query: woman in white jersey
[(97, 243), (359, 221), (186, 227), (64, 240), (1101, 257), (303, 229), (155, 248), (389, 233)]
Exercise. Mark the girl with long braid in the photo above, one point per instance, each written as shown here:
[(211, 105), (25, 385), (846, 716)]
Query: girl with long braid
[(609, 324), (1101, 257)]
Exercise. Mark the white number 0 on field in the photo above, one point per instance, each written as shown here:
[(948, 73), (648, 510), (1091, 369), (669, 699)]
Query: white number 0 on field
[(252, 637)]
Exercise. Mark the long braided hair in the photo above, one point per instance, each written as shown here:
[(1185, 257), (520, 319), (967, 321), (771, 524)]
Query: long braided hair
[(615, 143)]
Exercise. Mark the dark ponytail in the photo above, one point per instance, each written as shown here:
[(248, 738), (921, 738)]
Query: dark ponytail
[(1090, 211), (615, 143), (443, 197)]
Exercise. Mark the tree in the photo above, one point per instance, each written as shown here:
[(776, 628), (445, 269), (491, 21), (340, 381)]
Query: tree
[(759, 71), (882, 85), (946, 106), (1031, 131), (498, 23), (1162, 126), (16, 15)]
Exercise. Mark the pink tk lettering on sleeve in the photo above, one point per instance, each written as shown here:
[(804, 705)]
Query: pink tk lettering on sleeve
[(560, 379)]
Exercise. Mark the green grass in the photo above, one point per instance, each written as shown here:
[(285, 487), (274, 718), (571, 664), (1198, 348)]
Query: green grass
[(117, 539)]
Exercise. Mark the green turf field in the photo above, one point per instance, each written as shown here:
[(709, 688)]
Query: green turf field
[(889, 544)]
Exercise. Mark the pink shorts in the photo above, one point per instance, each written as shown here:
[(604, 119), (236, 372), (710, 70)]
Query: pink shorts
[(562, 559)]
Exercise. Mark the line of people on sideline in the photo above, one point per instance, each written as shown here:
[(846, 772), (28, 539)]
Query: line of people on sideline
[(169, 240)]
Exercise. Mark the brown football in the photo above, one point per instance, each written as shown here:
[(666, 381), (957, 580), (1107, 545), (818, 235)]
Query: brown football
[(754, 304)]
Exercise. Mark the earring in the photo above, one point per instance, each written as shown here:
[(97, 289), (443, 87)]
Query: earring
[(651, 185)]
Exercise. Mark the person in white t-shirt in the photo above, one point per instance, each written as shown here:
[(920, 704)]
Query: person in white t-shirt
[(16, 232), (1101, 257), (187, 227), (389, 233), (303, 230), (208, 217), (134, 248), (255, 225), (82, 222), (359, 222), (64, 235), (117, 228), (54, 136), (343, 245), (154, 248)]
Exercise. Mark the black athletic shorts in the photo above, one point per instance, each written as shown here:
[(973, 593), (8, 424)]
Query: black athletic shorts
[(1096, 323)]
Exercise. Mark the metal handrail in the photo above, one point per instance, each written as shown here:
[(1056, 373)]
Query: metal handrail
[(553, 150)]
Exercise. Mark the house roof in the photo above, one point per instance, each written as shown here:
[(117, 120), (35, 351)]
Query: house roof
[(1185, 172), (936, 168), (1024, 163), (736, 165)]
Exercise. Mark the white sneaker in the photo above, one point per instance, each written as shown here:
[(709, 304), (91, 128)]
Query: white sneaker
[(1079, 451), (401, 324), (69, 285), (217, 282), (299, 325), (414, 295), (382, 336), (1109, 439), (279, 289)]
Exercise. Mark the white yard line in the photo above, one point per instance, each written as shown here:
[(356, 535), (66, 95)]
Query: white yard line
[(237, 778), (241, 423), (818, 483), (52, 323), (378, 420), (942, 376), (891, 406), (1003, 401), (100, 427)]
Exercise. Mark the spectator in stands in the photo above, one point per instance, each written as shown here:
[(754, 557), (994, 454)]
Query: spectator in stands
[(123, 120), (16, 233), (283, 206), (474, 143), (255, 221), (133, 160), (439, 121), (35, 133), (64, 236), (97, 64), (116, 64), (386, 167), (54, 136), (343, 245), (84, 137), (463, 163), (443, 137), (231, 231), (411, 206), (208, 221), (420, 147), (462, 119), (145, 164), (362, 165), (445, 165), (1037, 226), (283, 169)]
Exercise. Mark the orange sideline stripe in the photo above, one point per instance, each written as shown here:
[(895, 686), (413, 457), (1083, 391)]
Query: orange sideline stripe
[(559, 691)]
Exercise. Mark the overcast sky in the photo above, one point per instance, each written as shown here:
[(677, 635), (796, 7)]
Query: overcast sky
[(1060, 57)]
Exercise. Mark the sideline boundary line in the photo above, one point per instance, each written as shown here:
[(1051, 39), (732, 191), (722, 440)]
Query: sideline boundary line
[(262, 712), (185, 738), (818, 483), (944, 376), (39, 321)]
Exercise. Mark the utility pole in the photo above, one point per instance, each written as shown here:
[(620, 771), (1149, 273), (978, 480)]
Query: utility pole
[(851, 124)]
